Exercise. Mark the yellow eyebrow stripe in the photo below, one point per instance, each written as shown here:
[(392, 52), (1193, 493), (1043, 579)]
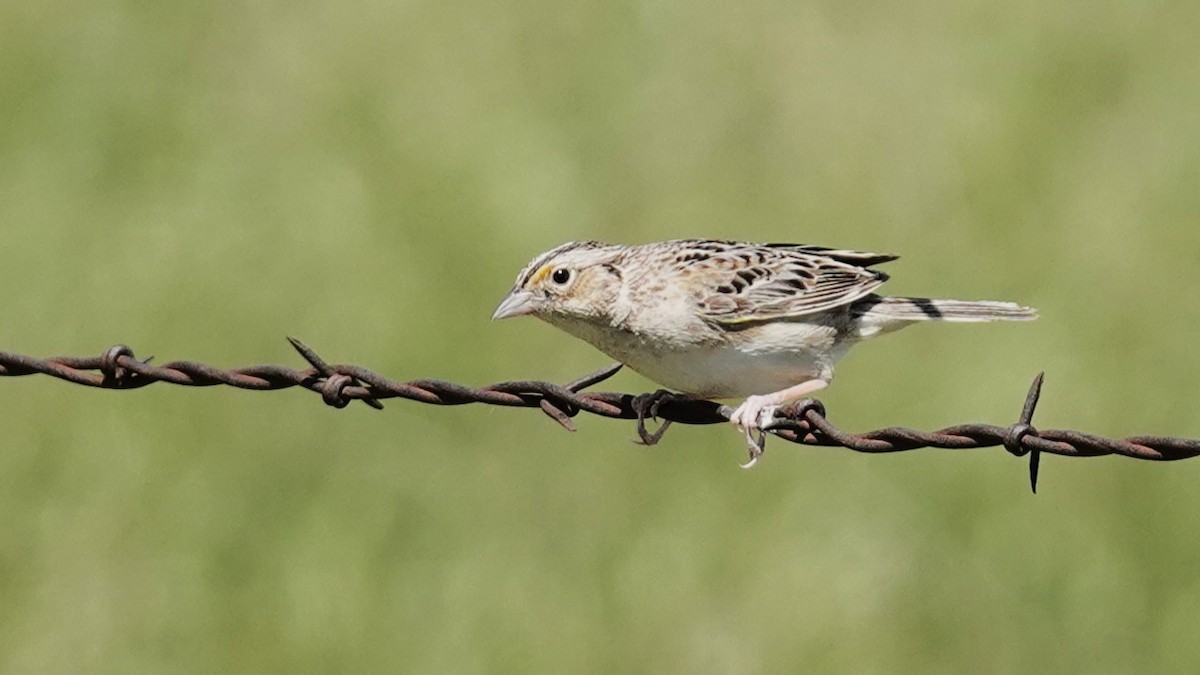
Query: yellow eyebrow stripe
[(541, 274)]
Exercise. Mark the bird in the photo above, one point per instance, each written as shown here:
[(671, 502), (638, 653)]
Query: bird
[(721, 319)]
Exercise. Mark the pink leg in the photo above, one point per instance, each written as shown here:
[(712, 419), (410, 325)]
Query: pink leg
[(758, 411)]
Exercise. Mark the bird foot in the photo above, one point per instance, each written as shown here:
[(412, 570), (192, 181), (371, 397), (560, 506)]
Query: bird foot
[(754, 417), (648, 405)]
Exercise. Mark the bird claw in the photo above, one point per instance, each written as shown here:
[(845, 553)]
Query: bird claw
[(754, 417), (647, 405), (756, 444)]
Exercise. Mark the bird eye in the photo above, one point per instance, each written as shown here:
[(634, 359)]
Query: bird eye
[(560, 276)]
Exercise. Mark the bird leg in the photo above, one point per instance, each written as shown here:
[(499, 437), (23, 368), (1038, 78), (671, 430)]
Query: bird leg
[(647, 405), (756, 413)]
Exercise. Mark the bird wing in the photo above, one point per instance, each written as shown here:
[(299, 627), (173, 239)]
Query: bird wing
[(746, 283), (858, 258)]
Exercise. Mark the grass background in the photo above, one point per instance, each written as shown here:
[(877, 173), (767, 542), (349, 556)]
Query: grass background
[(199, 179)]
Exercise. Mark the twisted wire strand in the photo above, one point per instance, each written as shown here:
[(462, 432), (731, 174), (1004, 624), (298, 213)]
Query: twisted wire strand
[(804, 422)]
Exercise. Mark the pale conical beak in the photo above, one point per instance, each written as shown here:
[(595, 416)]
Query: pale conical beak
[(517, 303)]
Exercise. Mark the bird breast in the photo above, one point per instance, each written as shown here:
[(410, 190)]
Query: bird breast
[(685, 354)]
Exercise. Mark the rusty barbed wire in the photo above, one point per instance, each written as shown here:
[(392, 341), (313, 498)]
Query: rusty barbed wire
[(804, 422)]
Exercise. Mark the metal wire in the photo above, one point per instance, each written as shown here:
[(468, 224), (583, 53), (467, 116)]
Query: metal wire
[(804, 422)]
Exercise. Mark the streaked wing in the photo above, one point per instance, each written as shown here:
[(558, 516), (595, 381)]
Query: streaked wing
[(858, 258), (764, 283)]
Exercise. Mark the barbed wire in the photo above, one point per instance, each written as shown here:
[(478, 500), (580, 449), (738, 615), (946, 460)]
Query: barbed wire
[(804, 422)]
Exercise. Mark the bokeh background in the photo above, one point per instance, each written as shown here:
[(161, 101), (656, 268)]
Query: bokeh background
[(200, 179)]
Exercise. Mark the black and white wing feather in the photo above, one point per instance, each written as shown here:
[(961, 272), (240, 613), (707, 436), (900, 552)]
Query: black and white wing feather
[(756, 283)]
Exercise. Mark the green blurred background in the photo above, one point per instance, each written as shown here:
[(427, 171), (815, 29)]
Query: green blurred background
[(200, 179)]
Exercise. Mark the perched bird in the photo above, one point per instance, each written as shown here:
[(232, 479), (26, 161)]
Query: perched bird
[(727, 319)]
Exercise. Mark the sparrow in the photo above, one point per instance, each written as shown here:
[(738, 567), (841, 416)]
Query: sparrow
[(719, 319)]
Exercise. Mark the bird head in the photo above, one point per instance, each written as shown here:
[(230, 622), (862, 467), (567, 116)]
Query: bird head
[(577, 281)]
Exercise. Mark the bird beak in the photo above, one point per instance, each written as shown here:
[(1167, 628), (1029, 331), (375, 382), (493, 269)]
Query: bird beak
[(517, 303)]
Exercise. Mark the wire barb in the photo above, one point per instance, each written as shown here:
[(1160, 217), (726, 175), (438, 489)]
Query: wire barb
[(335, 382), (804, 422), (1014, 439)]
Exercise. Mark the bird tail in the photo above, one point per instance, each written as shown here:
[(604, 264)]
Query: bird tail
[(876, 313)]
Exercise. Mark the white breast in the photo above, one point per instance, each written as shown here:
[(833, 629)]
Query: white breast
[(757, 360)]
